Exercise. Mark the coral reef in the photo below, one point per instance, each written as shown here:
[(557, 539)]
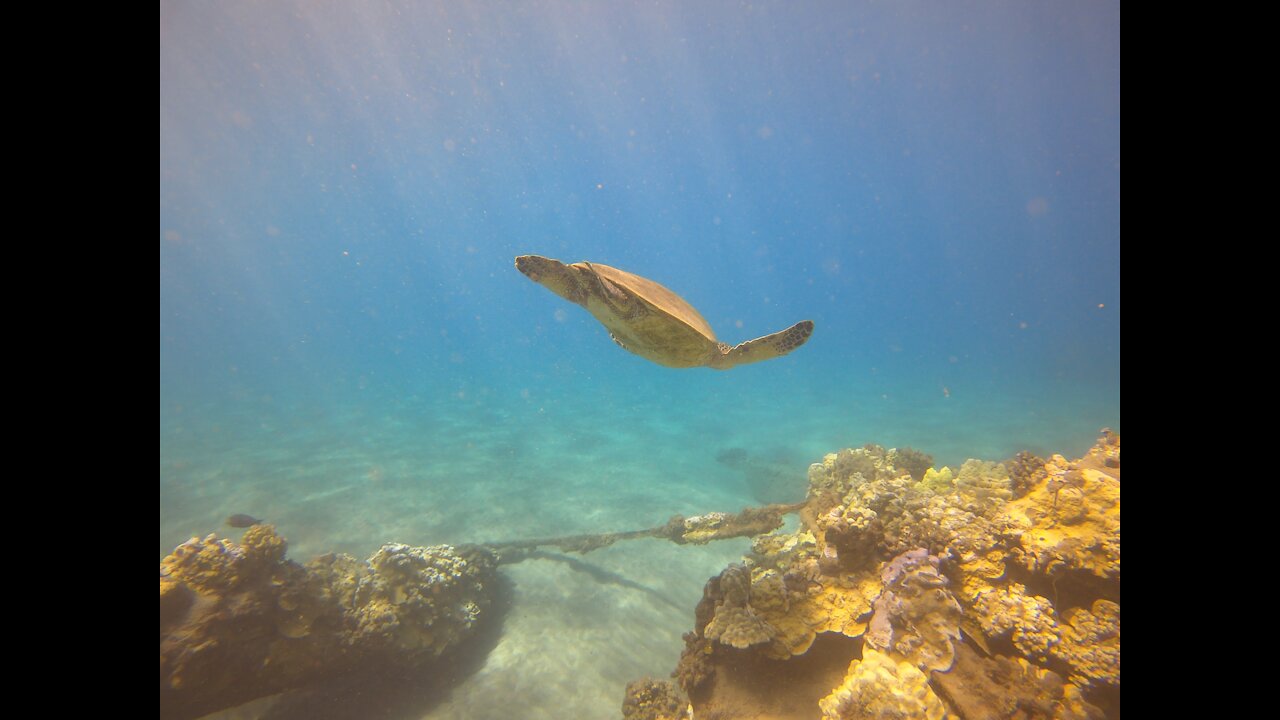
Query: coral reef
[(1025, 470), (914, 629), (734, 622), (990, 592), (911, 461), (877, 686), (987, 479), (239, 621), (1002, 687), (420, 600), (915, 617), (654, 700), (1091, 644), (938, 482), (801, 608)]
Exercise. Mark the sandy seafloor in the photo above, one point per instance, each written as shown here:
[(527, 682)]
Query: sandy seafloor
[(429, 469)]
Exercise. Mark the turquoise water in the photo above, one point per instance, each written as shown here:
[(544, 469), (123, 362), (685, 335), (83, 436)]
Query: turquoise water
[(347, 350)]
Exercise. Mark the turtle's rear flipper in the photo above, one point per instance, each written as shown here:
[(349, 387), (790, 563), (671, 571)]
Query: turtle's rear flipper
[(767, 347)]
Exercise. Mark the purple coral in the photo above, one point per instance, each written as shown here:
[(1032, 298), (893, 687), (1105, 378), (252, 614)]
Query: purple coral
[(896, 568), (910, 622)]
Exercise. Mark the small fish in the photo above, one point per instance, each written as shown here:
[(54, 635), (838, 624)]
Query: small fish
[(240, 520)]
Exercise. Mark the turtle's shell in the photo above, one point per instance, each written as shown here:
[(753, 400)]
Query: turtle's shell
[(661, 298), (649, 320)]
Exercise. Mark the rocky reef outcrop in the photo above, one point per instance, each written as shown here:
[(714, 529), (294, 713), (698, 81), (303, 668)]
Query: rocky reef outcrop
[(239, 621)]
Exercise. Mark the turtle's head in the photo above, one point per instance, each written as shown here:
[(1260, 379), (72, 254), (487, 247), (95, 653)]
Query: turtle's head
[(567, 281)]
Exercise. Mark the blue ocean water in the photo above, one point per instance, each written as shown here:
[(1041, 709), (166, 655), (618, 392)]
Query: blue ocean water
[(347, 350)]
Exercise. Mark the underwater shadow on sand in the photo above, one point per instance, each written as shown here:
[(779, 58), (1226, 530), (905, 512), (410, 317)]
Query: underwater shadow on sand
[(605, 577)]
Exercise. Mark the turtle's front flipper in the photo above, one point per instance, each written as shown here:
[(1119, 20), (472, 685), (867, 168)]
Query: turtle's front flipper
[(767, 347)]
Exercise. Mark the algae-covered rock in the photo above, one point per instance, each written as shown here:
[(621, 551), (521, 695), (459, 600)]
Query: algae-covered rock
[(700, 529)]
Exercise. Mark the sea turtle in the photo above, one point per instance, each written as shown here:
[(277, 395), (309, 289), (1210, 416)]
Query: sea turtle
[(649, 320)]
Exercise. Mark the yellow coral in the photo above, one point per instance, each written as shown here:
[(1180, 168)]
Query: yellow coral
[(1091, 643), (937, 481), (832, 607), (207, 565), (1067, 523), (879, 687), (1070, 520), (739, 627), (1009, 610), (262, 543)]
